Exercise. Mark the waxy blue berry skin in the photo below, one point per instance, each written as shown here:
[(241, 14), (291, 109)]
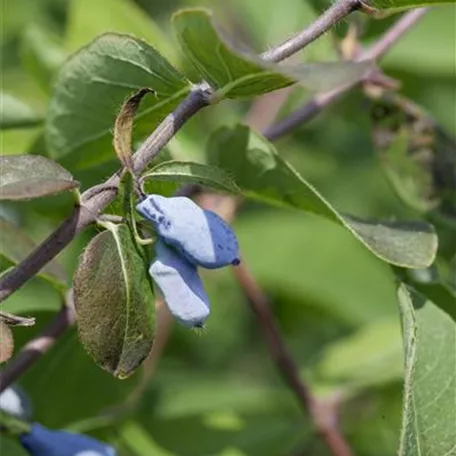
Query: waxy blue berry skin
[(45, 442), (203, 237), (180, 285)]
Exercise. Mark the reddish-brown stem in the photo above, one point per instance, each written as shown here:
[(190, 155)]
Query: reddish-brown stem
[(277, 349), (323, 417)]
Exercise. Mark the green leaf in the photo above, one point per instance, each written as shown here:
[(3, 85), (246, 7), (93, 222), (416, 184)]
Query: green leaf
[(32, 176), (120, 16), (240, 73), (371, 356), (428, 425), (15, 113), (15, 246), (190, 173), (114, 302), (91, 87), (262, 174), (397, 5)]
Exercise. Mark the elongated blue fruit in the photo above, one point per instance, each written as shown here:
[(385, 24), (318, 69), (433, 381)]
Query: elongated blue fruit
[(203, 237), (180, 285), (45, 442)]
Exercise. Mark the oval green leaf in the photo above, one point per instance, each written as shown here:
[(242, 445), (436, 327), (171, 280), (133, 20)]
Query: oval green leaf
[(90, 89), (15, 113), (429, 339), (114, 302), (190, 173), (235, 72), (32, 176), (15, 246), (262, 174)]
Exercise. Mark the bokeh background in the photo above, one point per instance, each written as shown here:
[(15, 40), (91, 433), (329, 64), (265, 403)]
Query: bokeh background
[(216, 392)]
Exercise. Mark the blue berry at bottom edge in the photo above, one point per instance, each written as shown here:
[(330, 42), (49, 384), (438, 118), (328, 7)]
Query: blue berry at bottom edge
[(41, 441)]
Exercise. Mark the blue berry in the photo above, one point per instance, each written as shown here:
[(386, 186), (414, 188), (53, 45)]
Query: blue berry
[(201, 236), (45, 442), (180, 285)]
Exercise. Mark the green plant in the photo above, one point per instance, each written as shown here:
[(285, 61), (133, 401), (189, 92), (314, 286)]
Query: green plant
[(337, 348)]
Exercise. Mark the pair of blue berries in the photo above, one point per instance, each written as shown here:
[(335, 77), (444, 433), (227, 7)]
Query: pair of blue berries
[(188, 237)]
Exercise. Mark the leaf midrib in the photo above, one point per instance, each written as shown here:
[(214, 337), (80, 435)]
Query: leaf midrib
[(115, 232)]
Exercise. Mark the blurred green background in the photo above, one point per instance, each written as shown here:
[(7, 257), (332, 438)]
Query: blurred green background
[(217, 392)]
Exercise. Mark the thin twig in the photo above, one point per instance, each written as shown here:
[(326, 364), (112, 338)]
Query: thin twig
[(35, 348), (279, 353), (322, 24), (312, 108)]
